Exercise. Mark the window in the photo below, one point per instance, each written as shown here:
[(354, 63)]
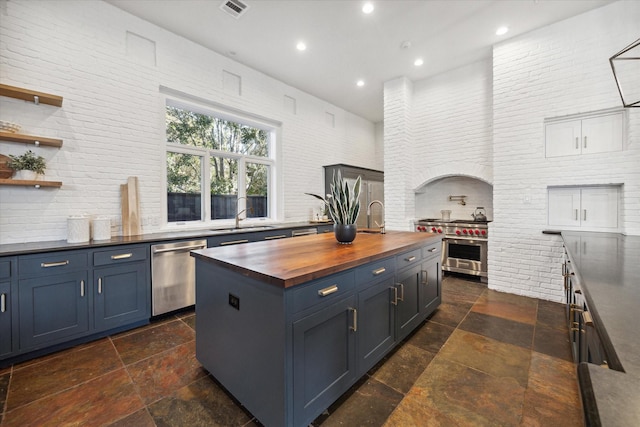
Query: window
[(217, 166)]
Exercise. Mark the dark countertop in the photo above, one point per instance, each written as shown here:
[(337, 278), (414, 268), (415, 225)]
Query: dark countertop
[(56, 245), (289, 262), (607, 267)]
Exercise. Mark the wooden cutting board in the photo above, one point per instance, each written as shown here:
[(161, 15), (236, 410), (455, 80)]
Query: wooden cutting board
[(130, 207)]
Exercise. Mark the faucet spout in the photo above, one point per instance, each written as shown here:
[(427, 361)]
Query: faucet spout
[(238, 219), (381, 226)]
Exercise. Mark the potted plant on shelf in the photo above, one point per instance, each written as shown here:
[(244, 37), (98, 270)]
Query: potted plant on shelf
[(27, 166), (343, 204)]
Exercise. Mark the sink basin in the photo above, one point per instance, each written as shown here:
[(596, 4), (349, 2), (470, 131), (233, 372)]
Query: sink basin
[(242, 229)]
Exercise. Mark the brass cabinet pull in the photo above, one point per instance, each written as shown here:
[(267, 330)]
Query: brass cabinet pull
[(354, 328), (54, 264), (401, 298), (82, 288), (432, 249), (3, 303), (99, 285), (411, 258), (328, 291), (395, 295), (426, 277), (379, 271), (587, 319), (233, 242), (280, 236), (121, 256)]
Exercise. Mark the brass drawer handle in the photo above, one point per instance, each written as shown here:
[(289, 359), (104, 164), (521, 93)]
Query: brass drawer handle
[(354, 328), (121, 256), (432, 249), (3, 303), (411, 258), (328, 291), (379, 271), (280, 236), (234, 242), (54, 264)]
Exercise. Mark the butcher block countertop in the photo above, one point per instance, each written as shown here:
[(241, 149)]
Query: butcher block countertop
[(289, 262)]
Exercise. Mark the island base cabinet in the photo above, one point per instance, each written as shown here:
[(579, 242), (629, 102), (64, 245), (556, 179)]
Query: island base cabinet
[(376, 326), (430, 293), (323, 359), (408, 302), (53, 309)]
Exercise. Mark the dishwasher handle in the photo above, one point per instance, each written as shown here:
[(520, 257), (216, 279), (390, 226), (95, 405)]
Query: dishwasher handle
[(178, 248)]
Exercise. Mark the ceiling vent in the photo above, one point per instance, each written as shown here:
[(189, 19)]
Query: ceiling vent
[(235, 8)]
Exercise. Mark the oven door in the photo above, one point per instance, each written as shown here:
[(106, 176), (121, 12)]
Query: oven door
[(465, 256)]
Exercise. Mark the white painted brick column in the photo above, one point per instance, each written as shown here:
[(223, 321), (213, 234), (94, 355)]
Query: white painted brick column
[(398, 152)]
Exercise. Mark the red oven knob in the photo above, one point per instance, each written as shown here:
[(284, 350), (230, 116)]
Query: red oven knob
[(471, 232), (433, 229), (458, 232), (484, 232), (439, 230), (477, 232), (464, 231)]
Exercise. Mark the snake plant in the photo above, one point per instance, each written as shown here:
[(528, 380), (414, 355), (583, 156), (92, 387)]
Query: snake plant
[(343, 203)]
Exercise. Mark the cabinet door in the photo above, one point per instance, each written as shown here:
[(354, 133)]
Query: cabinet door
[(376, 324), (408, 308), (121, 295), (430, 292), (564, 207), (323, 358), (602, 134), (563, 138), (53, 308), (5, 318), (599, 207)]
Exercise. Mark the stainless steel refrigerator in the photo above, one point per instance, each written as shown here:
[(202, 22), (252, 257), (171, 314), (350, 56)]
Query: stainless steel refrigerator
[(372, 189)]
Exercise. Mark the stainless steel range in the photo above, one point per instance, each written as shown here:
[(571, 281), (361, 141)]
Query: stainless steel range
[(464, 244)]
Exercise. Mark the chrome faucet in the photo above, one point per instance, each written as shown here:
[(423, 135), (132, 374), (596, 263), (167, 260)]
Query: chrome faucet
[(238, 219), (382, 230)]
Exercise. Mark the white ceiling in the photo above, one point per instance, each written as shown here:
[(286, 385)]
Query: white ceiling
[(345, 45)]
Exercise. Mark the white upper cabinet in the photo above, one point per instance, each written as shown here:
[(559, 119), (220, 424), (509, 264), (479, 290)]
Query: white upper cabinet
[(587, 135), (585, 208)]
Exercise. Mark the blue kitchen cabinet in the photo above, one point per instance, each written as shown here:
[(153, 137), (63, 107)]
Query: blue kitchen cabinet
[(53, 309), (7, 265), (430, 290), (121, 287), (408, 283), (324, 362)]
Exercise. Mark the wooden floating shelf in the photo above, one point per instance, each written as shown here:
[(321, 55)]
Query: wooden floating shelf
[(30, 139), (30, 95), (34, 183)]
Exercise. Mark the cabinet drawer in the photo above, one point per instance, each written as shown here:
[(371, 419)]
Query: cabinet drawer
[(375, 270), (120, 255), (51, 263), (324, 290), (5, 269), (409, 258), (432, 250)]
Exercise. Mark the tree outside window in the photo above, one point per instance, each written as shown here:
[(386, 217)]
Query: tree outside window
[(230, 159)]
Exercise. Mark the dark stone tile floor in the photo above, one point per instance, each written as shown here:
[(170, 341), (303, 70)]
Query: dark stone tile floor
[(484, 358)]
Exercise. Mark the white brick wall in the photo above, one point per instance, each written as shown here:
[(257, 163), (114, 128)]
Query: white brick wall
[(111, 120), (559, 70), (485, 121)]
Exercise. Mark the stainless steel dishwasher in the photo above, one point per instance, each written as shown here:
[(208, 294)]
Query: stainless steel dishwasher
[(173, 275)]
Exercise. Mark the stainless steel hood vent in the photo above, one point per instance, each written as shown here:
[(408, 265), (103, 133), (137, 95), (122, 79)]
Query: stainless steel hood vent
[(235, 8)]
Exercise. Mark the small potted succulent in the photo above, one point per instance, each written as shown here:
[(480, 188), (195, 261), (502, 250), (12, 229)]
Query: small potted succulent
[(28, 166), (343, 204)]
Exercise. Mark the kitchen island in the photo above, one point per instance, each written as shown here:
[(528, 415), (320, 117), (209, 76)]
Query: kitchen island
[(288, 326)]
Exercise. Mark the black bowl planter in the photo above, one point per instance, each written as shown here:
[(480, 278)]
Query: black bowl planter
[(345, 233)]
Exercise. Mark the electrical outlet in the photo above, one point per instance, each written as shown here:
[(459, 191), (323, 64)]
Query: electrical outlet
[(234, 301)]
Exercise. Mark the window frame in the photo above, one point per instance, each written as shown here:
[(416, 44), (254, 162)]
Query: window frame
[(272, 161)]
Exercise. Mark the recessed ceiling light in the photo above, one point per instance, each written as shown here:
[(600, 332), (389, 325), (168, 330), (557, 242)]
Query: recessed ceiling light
[(360, 83), (502, 31), (418, 62), (367, 8), (301, 46)]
